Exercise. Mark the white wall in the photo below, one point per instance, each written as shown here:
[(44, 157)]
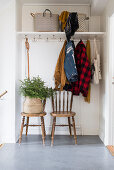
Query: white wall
[(106, 85), (7, 72), (18, 70), (43, 58), (10, 70)]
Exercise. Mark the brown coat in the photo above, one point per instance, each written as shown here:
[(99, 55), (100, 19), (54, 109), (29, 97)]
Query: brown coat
[(60, 77)]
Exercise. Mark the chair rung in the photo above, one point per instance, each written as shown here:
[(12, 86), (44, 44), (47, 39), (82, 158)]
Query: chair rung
[(31, 125), (63, 125)]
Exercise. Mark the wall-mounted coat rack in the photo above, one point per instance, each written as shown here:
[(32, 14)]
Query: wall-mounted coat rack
[(36, 36)]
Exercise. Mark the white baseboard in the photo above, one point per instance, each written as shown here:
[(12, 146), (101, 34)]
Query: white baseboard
[(101, 135), (89, 131), (58, 130), (62, 131)]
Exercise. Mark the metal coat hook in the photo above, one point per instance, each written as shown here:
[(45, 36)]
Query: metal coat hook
[(60, 39), (25, 37), (34, 39), (95, 37), (39, 37), (54, 37)]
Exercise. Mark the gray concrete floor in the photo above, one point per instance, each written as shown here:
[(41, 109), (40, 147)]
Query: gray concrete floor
[(89, 154)]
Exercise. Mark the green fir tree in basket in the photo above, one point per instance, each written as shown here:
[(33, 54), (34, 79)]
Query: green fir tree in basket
[(34, 91)]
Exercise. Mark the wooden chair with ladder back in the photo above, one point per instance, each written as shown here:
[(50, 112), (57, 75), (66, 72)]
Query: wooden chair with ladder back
[(27, 116), (62, 107)]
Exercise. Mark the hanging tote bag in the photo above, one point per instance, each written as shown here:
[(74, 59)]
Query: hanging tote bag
[(46, 22)]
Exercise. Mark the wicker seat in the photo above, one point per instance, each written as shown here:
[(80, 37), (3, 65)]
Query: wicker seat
[(27, 116), (63, 114), (62, 106)]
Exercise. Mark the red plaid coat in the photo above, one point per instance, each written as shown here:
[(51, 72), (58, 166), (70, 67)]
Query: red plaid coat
[(84, 71)]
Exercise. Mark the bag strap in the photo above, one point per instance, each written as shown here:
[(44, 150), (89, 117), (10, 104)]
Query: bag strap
[(27, 47), (44, 13)]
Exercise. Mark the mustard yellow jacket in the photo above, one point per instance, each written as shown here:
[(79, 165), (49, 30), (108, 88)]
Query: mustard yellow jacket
[(88, 51), (60, 77), (63, 18)]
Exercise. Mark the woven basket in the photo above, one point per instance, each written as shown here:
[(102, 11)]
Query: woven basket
[(44, 22), (32, 105), (83, 23)]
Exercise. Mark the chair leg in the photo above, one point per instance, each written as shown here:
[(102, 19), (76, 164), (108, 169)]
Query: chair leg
[(73, 121), (53, 129), (27, 125), (69, 123), (55, 124), (22, 125), (42, 126)]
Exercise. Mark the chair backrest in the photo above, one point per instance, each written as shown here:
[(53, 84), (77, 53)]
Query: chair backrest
[(62, 101)]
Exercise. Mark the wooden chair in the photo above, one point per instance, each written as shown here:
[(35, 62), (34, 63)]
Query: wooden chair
[(62, 106), (28, 115)]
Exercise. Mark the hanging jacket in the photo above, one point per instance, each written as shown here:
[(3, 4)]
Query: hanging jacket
[(60, 77), (96, 62), (88, 51), (63, 18), (72, 25), (69, 62), (84, 72)]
